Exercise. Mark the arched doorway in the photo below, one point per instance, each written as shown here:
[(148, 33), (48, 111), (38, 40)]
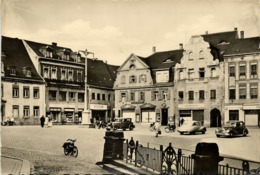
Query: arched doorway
[(215, 118)]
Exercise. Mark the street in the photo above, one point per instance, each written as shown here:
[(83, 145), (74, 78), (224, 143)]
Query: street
[(43, 146)]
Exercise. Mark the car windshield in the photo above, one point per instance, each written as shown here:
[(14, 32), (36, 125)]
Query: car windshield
[(229, 123)]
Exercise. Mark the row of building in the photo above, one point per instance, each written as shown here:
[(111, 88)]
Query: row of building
[(213, 78)]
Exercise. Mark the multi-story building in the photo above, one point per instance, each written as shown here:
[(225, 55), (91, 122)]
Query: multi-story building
[(22, 88), (199, 78), (143, 87), (64, 73), (242, 81)]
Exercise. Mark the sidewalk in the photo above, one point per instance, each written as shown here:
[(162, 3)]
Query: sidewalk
[(14, 166)]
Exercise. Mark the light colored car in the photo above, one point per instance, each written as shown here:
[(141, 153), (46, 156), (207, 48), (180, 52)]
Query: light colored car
[(232, 128), (192, 127)]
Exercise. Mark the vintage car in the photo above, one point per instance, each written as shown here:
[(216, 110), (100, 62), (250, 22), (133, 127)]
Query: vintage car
[(123, 123), (232, 128), (192, 127)]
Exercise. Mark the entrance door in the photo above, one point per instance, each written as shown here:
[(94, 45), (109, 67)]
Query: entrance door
[(164, 116), (215, 118)]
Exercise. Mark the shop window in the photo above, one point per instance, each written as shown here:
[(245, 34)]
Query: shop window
[(233, 115)]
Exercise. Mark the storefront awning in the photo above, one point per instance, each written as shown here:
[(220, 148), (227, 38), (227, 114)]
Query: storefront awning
[(147, 106), (128, 106)]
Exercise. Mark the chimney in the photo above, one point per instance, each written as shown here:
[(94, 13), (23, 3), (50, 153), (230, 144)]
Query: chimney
[(242, 34), (181, 46), (154, 49), (54, 44), (206, 32), (235, 28)]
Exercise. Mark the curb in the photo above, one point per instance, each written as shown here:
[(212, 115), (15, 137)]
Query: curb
[(26, 168)]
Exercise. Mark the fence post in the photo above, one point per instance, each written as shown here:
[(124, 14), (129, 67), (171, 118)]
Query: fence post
[(127, 147), (206, 158), (245, 166), (178, 160), (162, 155), (136, 148)]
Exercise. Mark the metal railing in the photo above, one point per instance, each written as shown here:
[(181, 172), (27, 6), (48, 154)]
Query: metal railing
[(168, 161)]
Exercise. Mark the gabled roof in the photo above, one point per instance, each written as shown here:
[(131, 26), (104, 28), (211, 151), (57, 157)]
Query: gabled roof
[(244, 46), (16, 55), (217, 38), (159, 59)]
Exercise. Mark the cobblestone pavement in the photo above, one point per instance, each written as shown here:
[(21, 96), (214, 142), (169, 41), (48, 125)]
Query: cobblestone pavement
[(43, 147)]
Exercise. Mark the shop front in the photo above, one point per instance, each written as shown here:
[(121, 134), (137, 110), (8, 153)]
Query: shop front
[(98, 112), (69, 114), (148, 114), (252, 115), (128, 111), (56, 114)]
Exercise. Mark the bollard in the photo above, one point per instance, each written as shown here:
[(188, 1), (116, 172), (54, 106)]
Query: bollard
[(113, 147), (206, 159)]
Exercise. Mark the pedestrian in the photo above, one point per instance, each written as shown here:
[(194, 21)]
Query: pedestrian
[(182, 121), (42, 119), (50, 121), (46, 121), (157, 126)]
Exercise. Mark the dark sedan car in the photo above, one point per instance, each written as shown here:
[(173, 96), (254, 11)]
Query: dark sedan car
[(123, 123), (232, 128)]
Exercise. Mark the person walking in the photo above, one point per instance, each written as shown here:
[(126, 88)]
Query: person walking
[(157, 126), (42, 119)]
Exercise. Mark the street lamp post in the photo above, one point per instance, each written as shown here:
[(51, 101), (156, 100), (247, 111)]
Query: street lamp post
[(86, 113)]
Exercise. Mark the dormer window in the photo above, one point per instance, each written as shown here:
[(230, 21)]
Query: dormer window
[(223, 42), (162, 76), (132, 79), (63, 74), (49, 52), (12, 71), (53, 73), (79, 76), (142, 78), (28, 73)]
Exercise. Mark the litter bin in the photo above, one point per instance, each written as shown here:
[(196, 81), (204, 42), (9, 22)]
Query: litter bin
[(113, 147), (206, 159)]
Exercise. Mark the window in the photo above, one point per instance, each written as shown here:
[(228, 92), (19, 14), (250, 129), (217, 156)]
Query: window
[(12, 71), (132, 66), (15, 111), (123, 96), (2, 67), (191, 73), (123, 79), (79, 76), (253, 90), (232, 71), (48, 54), (104, 97), (53, 73), (233, 115), (191, 95), (63, 74), (162, 76), (132, 96), (190, 56), (70, 75), (165, 95), (155, 95), (81, 97), (201, 54), (46, 72), (142, 78), (142, 96), (201, 95), (181, 74), (52, 95), (232, 94), (109, 97), (72, 96), (36, 111), (213, 72), (26, 111), (202, 72), (98, 96), (2, 90), (213, 94), (62, 96), (242, 91), (93, 96), (15, 91), (36, 92), (242, 70), (181, 95), (26, 92), (253, 69), (132, 79), (28, 73)]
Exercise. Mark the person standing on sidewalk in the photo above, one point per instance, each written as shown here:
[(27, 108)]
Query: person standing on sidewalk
[(157, 126), (42, 119)]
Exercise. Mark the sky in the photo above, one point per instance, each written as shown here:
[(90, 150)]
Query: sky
[(114, 29)]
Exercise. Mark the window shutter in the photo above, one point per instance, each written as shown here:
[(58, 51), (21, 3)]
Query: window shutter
[(152, 95), (168, 95)]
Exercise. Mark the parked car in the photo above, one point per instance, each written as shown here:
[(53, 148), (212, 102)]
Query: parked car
[(232, 128), (123, 123), (192, 127)]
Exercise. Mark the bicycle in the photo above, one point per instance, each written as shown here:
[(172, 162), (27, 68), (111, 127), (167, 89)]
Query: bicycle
[(152, 127), (170, 128), (70, 148)]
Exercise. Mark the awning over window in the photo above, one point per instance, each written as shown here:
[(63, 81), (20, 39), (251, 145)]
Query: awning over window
[(128, 106), (147, 106)]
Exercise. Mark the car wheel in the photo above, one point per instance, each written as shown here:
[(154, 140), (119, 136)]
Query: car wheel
[(167, 129), (181, 133), (245, 133), (203, 132), (116, 128), (230, 134), (218, 135), (131, 128)]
